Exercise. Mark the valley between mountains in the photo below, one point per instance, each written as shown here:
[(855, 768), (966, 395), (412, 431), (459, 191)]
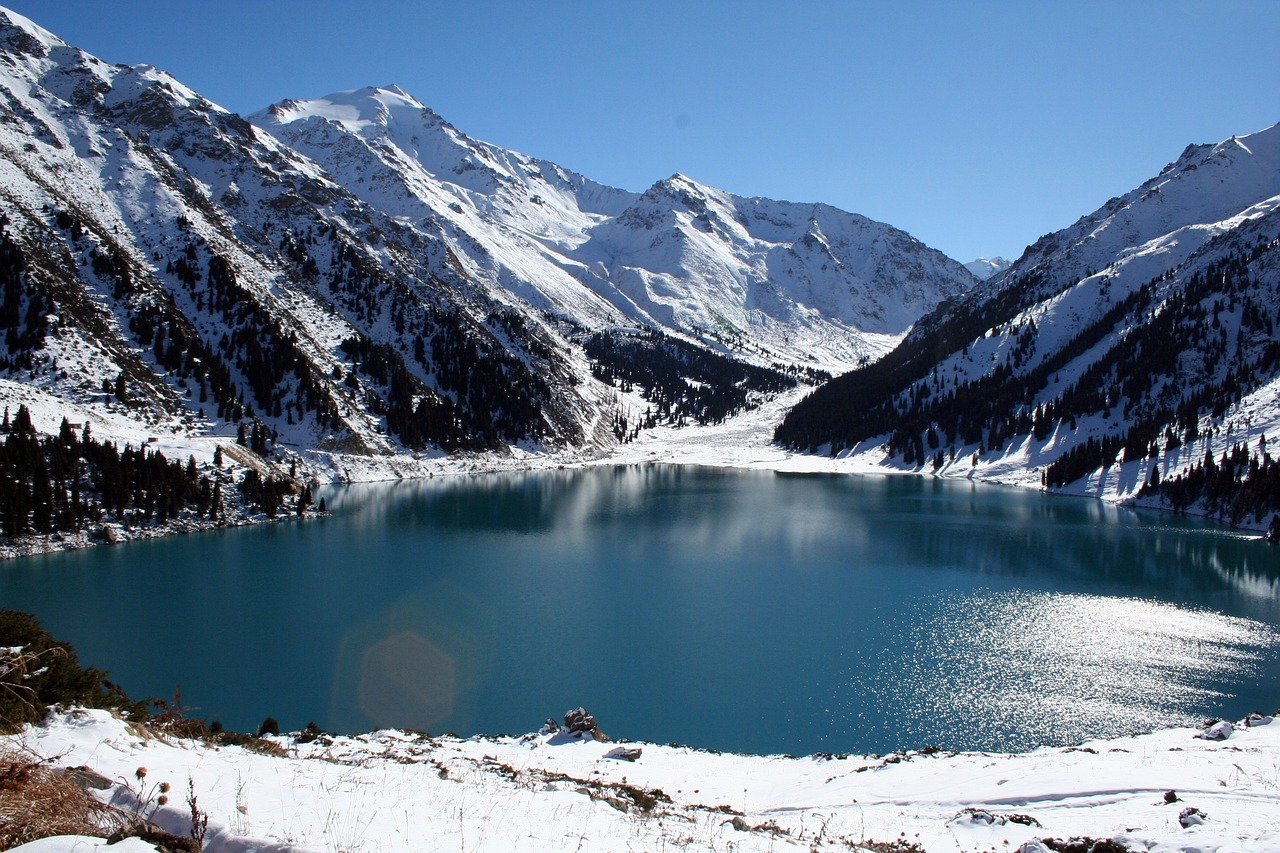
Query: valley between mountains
[(206, 318), (350, 288)]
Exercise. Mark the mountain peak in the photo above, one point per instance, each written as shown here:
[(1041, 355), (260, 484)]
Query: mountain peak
[(1260, 147), (1264, 143), (684, 189), (984, 268), (370, 107), (393, 88), (390, 95), (678, 182)]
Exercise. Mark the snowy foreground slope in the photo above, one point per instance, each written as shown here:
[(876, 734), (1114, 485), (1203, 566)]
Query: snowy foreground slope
[(394, 790)]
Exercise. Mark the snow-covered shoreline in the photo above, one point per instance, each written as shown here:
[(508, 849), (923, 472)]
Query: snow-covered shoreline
[(407, 791), (743, 441), (33, 544), (746, 441), (395, 790)]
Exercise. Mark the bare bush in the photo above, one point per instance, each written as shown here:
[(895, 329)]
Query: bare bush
[(37, 801)]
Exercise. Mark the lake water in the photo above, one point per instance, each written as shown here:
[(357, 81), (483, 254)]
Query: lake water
[(735, 610)]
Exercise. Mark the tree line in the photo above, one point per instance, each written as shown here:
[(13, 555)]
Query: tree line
[(71, 481), (1240, 485), (682, 382)]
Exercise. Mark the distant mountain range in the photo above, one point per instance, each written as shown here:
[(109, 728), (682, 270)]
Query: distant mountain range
[(984, 268), (802, 283)]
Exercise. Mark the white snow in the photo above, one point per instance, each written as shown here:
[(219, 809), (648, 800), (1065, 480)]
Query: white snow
[(800, 283), (399, 791), (985, 268)]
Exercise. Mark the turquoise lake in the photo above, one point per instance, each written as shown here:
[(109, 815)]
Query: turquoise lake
[(734, 610)]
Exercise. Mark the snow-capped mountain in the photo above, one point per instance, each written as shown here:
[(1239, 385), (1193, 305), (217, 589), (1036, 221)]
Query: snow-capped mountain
[(805, 281), (768, 280), (167, 259), (1144, 335), (357, 277), (984, 268), (509, 218)]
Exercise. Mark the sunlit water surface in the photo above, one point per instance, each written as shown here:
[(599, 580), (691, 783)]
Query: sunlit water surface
[(735, 610)]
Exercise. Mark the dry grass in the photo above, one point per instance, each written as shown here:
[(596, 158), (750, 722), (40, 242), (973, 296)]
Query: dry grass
[(252, 743), (37, 801), (899, 845), (19, 701)]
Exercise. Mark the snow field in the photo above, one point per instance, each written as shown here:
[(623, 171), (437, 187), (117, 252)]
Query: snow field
[(400, 791)]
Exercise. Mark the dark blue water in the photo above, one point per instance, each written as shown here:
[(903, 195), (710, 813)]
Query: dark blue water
[(736, 610)]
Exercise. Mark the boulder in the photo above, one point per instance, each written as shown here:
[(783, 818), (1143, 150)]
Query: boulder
[(579, 720), (1191, 816), (580, 723), (1221, 730)]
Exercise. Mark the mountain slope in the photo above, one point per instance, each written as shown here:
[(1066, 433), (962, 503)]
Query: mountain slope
[(768, 281), (505, 214), (157, 243), (806, 281), (360, 287), (1143, 334)]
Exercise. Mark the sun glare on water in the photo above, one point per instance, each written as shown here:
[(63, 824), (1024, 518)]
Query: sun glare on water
[(1059, 668)]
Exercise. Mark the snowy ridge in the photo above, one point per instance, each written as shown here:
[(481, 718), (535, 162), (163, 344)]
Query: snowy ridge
[(804, 284), (1061, 348), (1205, 185), (502, 213), (398, 790)]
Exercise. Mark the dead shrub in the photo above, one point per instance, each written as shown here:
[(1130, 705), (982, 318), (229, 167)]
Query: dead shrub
[(37, 801)]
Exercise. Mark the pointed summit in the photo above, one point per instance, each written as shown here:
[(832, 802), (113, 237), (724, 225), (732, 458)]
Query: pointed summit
[(684, 191), (674, 183), (396, 89)]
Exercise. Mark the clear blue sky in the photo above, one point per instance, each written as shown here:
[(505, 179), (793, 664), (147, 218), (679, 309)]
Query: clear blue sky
[(975, 126)]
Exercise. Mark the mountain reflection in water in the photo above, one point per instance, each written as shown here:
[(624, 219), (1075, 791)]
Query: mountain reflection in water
[(739, 610)]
